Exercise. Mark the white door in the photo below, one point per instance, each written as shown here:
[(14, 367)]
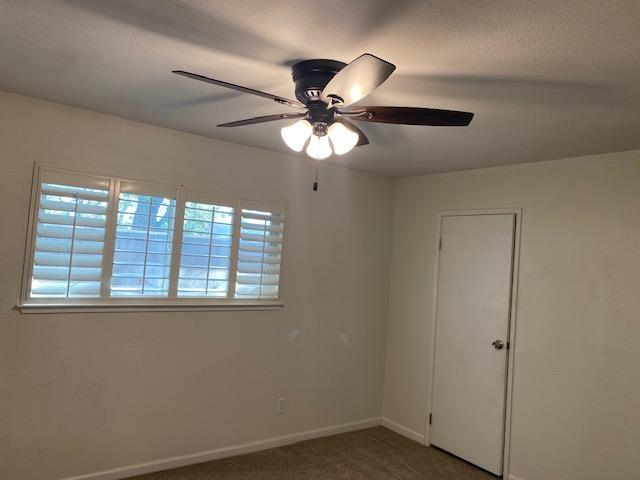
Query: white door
[(472, 330)]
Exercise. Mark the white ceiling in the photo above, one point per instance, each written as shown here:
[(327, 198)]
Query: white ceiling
[(546, 79)]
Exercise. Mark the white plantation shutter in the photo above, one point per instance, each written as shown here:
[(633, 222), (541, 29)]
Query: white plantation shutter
[(112, 241), (143, 240), (69, 240), (205, 254), (259, 251)]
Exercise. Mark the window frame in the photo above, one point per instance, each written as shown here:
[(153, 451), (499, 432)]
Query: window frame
[(171, 302)]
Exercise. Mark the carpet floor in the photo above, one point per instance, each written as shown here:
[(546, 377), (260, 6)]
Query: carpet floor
[(372, 454)]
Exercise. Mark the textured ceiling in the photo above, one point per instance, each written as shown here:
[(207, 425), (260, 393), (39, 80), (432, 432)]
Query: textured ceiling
[(546, 79)]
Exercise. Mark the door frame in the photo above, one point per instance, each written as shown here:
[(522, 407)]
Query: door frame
[(511, 325)]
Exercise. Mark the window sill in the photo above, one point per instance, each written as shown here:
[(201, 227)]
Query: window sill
[(125, 307)]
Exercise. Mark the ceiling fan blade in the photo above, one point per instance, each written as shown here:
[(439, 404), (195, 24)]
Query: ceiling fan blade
[(356, 80), (239, 88), (265, 118), (363, 140), (410, 116)]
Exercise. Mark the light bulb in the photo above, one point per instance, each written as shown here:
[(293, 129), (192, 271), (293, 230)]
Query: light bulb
[(296, 135), (342, 138), (319, 147), (356, 93)]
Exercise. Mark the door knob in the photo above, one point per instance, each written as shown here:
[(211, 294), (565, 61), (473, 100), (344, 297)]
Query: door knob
[(498, 344)]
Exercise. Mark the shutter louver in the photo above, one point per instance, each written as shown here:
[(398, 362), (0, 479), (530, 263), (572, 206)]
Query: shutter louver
[(143, 242), (69, 240), (259, 254), (206, 250)]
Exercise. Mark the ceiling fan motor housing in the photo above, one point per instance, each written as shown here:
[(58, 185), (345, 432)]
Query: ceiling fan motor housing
[(320, 117), (311, 76)]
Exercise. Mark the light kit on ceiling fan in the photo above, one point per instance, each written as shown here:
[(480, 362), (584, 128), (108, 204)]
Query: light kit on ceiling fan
[(296, 135), (319, 147), (326, 91), (342, 138), (323, 142)]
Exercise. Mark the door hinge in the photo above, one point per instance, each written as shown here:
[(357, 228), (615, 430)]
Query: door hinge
[(440, 244), (430, 418)]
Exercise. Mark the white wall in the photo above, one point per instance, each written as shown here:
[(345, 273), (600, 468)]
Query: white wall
[(87, 392), (577, 354)]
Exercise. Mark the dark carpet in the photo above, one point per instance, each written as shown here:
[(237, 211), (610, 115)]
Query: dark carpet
[(371, 454)]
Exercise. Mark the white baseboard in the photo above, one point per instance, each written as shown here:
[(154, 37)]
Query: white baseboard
[(513, 477), (191, 458), (404, 431)]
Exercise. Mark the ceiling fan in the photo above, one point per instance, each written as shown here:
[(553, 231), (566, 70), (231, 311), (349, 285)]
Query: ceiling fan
[(326, 91)]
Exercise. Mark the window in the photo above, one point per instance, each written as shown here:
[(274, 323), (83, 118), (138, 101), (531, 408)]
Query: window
[(69, 242), (259, 254), (143, 242), (101, 241), (205, 257)]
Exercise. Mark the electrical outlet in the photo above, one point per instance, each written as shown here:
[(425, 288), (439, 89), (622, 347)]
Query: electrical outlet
[(281, 406)]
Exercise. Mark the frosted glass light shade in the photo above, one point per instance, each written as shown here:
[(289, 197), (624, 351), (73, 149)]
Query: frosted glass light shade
[(319, 147), (342, 138), (296, 135)]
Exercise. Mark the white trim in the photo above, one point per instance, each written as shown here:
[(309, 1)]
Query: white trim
[(512, 344), (235, 249), (512, 319), (215, 454), (34, 204), (195, 196), (513, 477), (109, 238), (113, 307), (271, 207), (404, 431), (75, 179), (138, 187), (176, 240)]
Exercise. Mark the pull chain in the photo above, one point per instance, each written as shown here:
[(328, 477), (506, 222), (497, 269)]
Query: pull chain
[(315, 183)]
